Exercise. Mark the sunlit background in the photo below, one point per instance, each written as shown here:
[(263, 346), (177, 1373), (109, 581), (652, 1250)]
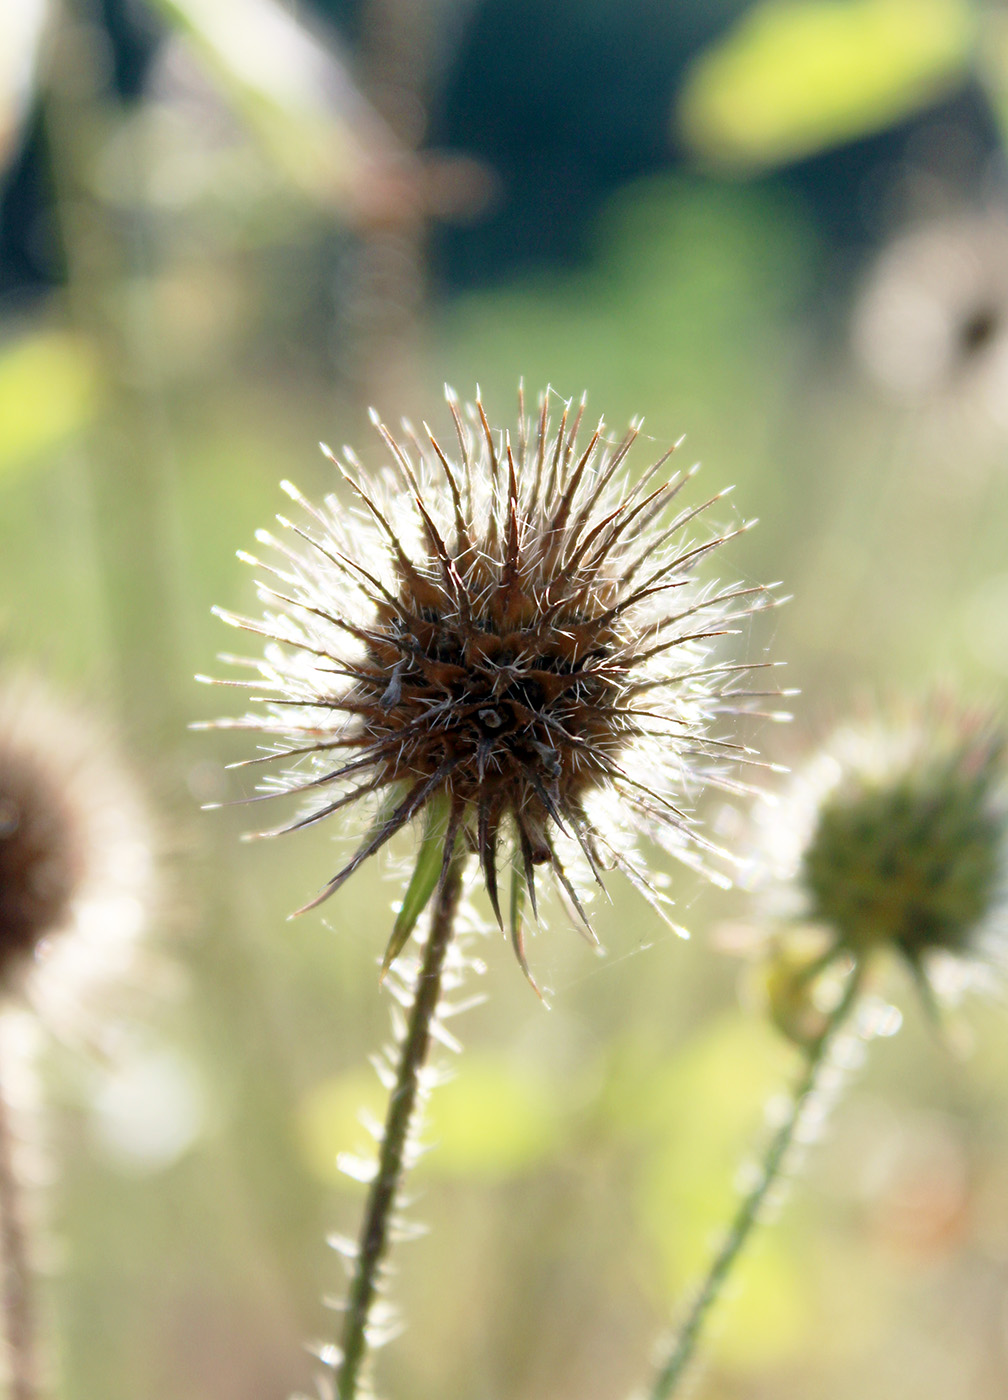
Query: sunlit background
[(226, 228)]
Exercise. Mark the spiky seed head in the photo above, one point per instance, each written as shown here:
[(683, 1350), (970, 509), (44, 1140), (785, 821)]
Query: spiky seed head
[(74, 864), (913, 857), (903, 839), (509, 636)]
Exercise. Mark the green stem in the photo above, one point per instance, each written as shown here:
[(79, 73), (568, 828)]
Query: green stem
[(747, 1217), (379, 1211), (16, 1291)]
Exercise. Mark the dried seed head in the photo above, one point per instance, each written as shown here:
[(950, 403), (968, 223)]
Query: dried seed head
[(74, 865), (41, 856), (510, 637), (899, 839)]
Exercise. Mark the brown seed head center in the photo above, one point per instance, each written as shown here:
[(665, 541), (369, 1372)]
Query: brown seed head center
[(505, 677)]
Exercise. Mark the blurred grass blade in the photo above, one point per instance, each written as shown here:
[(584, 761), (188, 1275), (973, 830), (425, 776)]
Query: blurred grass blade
[(793, 77), (49, 391), (298, 96)]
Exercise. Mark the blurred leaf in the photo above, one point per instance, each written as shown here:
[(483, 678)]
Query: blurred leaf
[(489, 1121), (795, 77), (329, 1118), (492, 1120), (49, 391), (298, 96), (703, 1111), (717, 1082), (775, 1309)]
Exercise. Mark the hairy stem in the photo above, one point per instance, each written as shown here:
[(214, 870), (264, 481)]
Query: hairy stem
[(384, 1189), (18, 1303), (803, 1099)]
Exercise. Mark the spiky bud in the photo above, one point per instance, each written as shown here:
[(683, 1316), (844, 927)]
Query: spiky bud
[(914, 857), (900, 839), (509, 637)]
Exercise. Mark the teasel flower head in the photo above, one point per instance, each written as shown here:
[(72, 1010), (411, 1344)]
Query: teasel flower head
[(896, 837), (75, 864), (507, 637)]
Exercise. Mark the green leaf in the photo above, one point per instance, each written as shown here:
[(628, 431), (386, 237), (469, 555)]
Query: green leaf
[(49, 392), (423, 881), (798, 76)]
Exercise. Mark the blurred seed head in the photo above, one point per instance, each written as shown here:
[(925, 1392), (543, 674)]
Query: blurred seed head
[(509, 636), (931, 323), (896, 837), (41, 856), (75, 863)]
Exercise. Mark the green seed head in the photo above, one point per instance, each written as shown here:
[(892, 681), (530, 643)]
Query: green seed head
[(908, 847)]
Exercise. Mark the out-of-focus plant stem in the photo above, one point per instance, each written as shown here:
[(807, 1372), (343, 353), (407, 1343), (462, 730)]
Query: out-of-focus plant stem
[(126, 458), (19, 1321), (804, 1100), (385, 273)]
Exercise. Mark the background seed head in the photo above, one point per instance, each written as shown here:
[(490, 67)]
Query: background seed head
[(76, 868), (41, 854), (510, 636), (906, 838), (917, 862)]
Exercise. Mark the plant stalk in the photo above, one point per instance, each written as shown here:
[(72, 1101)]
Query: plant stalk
[(384, 1189), (19, 1323), (805, 1093)]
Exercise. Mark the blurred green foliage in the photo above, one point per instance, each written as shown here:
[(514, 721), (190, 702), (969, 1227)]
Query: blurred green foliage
[(49, 390), (794, 77)]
